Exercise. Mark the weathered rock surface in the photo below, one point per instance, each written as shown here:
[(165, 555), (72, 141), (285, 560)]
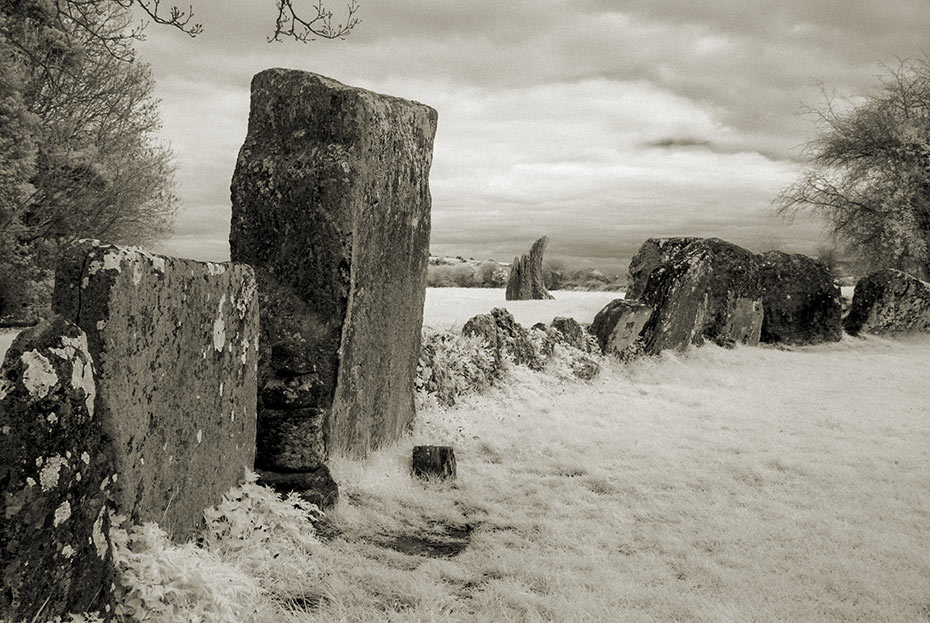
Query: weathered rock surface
[(331, 205), (526, 277), (709, 290), (570, 332), (507, 338), (618, 325), (434, 462), (654, 253), (290, 440), (56, 475), (174, 344), (887, 302), (802, 303)]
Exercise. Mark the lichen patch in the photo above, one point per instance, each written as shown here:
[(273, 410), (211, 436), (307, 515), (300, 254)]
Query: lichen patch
[(39, 378), (48, 476), (219, 327), (62, 514)]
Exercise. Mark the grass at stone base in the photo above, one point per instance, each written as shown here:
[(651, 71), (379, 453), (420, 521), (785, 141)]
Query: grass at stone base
[(751, 484)]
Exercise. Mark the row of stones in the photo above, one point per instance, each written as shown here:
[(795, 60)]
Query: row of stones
[(687, 290)]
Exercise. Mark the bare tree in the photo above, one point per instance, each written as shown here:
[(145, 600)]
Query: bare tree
[(869, 172)]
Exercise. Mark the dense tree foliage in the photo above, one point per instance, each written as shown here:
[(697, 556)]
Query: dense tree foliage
[(869, 172), (79, 149)]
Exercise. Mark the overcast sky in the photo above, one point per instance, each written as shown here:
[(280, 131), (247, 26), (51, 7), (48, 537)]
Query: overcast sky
[(597, 122)]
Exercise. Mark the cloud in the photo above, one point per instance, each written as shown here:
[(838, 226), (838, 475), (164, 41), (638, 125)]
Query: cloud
[(597, 123)]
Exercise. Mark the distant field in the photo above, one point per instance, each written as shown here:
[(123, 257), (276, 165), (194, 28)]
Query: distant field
[(448, 307)]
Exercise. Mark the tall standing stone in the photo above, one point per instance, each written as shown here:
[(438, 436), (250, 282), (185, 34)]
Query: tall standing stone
[(331, 205), (174, 344), (526, 276)]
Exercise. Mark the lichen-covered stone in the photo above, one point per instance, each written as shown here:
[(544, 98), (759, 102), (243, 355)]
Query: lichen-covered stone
[(295, 392), (709, 290), (290, 440), (801, 302), (570, 331), (887, 302), (56, 475), (526, 278), (618, 325), (175, 344), (653, 254), (508, 339), (331, 204)]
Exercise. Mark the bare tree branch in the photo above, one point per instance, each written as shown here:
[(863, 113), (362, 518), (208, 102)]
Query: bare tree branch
[(318, 24)]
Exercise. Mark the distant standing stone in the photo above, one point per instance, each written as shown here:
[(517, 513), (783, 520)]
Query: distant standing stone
[(889, 301), (434, 462), (526, 278)]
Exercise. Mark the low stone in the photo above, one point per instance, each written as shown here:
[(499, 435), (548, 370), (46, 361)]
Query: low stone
[(801, 302), (618, 325), (434, 462), (653, 254), (516, 340), (483, 326), (291, 440), (295, 392), (888, 302), (56, 478), (315, 486), (709, 290), (573, 334), (526, 279)]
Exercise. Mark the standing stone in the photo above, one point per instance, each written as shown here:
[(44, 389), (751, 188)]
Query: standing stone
[(887, 302), (801, 301), (174, 344), (526, 277), (434, 462), (654, 253), (618, 325), (56, 475), (331, 205), (710, 290)]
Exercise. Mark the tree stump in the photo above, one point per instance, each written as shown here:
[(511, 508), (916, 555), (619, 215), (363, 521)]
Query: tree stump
[(434, 462)]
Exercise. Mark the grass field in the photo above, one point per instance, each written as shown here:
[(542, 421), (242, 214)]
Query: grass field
[(717, 485), (751, 484)]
